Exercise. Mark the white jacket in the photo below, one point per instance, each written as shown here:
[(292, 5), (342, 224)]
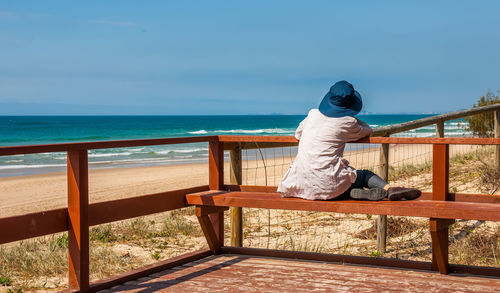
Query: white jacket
[(319, 171)]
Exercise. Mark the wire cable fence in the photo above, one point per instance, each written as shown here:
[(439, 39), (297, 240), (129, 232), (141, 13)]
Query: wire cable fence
[(409, 165)]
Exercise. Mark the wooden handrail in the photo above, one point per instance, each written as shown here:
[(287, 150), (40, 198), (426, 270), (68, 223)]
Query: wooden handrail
[(391, 129), (64, 147), (245, 141)]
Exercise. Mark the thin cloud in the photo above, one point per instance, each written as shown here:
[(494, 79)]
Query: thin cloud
[(7, 15), (8, 37), (30, 16), (115, 23)]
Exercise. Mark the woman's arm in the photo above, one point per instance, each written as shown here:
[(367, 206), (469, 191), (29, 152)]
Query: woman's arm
[(358, 129), (298, 131), (365, 128)]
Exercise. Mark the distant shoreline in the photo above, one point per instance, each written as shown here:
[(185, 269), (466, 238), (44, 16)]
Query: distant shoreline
[(28, 130)]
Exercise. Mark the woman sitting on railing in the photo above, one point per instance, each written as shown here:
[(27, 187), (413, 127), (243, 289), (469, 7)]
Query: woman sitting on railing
[(319, 171)]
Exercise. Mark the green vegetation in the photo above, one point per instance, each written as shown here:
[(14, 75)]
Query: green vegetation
[(102, 233), (156, 255), (60, 242), (5, 281), (482, 124)]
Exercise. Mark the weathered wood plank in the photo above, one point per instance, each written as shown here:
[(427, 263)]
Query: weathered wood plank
[(440, 128), (415, 208), (387, 130), (382, 219), (236, 212), (496, 116)]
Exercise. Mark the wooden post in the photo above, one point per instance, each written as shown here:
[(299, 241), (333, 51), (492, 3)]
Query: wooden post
[(439, 227), (382, 219), (440, 129), (235, 167), (496, 115), (215, 165), (236, 212), (212, 220), (78, 226), (212, 223)]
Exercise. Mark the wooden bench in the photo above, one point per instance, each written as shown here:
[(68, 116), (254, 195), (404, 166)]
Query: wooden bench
[(211, 204), (440, 206), (410, 208)]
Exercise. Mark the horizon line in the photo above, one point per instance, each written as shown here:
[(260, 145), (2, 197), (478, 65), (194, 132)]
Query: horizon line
[(250, 114)]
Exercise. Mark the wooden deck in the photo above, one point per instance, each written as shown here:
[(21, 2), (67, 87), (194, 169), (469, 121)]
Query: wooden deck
[(245, 269), (240, 273)]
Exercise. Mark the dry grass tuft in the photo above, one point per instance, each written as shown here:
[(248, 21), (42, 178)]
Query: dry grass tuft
[(481, 246), (408, 170), (42, 263), (489, 180), (34, 258), (396, 227)]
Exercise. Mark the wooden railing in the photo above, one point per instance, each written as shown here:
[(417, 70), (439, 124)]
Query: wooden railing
[(438, 120), (235, 148), (79, 214)]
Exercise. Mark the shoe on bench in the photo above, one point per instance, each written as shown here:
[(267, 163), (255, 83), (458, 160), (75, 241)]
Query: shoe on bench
[(368, 194), (397, 193)]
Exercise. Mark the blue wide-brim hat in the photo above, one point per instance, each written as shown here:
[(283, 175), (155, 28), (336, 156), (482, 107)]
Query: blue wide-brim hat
[(341, 100)]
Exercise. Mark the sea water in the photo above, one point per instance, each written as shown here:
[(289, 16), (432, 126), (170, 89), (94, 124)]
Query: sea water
[(34, 130)]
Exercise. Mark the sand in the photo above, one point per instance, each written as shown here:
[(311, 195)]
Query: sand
[(34, 193)]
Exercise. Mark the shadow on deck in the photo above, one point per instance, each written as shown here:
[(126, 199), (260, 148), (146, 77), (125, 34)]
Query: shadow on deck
[(243, 273)]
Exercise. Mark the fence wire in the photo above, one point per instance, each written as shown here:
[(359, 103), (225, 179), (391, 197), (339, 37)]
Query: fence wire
[(410, 165)]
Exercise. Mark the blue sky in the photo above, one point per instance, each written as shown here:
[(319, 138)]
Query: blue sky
[(244, 57)]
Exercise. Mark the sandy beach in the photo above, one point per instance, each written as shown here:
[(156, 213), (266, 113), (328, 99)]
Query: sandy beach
[(33, 193), (25, 194)]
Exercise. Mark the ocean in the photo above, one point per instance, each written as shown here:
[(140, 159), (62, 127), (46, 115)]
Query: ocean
[(30, 130)]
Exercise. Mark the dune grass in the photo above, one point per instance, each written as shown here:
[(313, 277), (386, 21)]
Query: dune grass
[(41, 263)]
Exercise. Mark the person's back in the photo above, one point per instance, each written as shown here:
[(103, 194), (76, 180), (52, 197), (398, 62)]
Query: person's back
[(319, 171), (324, 173)]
